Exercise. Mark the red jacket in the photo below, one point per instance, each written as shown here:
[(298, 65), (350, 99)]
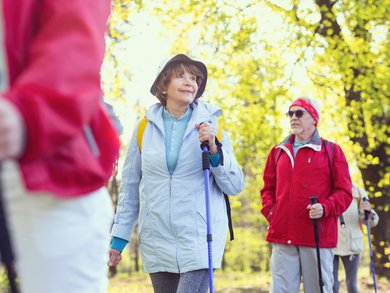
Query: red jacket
[(288, 184), (54, 50)]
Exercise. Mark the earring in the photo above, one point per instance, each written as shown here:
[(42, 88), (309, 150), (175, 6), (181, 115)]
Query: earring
[(164, 93)]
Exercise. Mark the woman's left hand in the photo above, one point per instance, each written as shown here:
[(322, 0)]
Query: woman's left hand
[(114, 257), (207, 132), (365, 206)]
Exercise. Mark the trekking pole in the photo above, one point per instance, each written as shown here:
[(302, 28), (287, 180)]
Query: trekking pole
[(314, 200), (5, 247), (206, 171), (366, 217), (342, 222)]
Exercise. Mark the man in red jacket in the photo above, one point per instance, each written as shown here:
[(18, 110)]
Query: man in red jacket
[(297, 169), (57, 144)]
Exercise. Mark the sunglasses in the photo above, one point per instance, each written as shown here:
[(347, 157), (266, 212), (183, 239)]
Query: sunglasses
[(298, 113)]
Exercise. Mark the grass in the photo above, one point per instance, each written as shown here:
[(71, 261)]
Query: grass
[(227, 282), (238, 282), (223, 282)]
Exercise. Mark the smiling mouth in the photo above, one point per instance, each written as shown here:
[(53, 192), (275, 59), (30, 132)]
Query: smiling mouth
[(187, 92)]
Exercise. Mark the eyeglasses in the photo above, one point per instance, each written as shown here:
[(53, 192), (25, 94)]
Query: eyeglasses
[(298, 113)]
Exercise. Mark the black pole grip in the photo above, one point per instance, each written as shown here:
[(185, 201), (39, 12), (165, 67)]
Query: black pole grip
[(205, 144), (342, 221), (6, 253), (205, 160), (314, 200), (366, 213)]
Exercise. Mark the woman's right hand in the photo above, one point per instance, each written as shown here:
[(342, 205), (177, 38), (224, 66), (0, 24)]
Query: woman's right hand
[(207, 133), (114, 257), (365, 206)]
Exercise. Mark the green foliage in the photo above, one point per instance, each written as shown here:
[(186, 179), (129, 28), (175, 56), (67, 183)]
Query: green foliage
[(249, 252), (115, 74), (240, 282), (260, 55), (3, 280), (351, 65)]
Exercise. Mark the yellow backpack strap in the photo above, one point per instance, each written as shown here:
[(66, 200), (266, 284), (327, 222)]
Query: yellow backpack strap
[(140, 132), (219, 133), (144, 122)]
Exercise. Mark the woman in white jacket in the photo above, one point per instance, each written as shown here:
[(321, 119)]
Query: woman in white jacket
[(350, 238), (163, 184)]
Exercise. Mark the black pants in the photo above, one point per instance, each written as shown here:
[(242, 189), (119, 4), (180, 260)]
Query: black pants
[(189, 282)]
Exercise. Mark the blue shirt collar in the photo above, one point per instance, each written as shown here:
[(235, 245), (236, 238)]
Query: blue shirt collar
[(166, 114)]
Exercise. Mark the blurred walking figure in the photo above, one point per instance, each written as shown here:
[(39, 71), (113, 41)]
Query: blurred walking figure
[(350, 239), (57, 144), (163, 186), (297, 169)]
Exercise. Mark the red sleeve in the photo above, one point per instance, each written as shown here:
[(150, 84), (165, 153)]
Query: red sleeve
[(268, 191), (58, 87), (341, 196)]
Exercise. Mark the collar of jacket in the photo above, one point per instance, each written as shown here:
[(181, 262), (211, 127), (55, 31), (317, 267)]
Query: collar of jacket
[(315, 143), (201, 112)]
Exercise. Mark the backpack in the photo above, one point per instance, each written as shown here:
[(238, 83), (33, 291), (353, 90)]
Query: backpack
[(329, 155), (140, 134)]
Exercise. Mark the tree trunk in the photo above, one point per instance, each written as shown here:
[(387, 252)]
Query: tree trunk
[(372, 174)]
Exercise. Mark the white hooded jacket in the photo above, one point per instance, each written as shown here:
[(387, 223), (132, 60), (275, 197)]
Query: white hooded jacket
[(350, 237), (170, 209)]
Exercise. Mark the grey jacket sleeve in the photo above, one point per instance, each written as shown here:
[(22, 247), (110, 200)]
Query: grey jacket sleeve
[(127, 210)]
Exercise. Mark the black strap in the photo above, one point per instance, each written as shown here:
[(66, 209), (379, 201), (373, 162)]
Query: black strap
[(228, 209), (229, 215), (220, 152), (329, 155), (6, 254)]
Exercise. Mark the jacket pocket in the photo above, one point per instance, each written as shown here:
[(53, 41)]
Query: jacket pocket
[(144, 229), (356, 241)]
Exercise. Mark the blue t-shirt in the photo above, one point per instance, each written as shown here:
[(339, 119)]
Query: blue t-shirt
[(298, 144)]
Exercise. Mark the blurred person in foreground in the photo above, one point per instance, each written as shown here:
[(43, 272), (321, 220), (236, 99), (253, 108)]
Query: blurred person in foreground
[(57, 144), (163, 187), (297, 169), (350, 238)]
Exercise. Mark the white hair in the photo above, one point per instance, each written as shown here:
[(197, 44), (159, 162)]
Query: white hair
[(312, 102)]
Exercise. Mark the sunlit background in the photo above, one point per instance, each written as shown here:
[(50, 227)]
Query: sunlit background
[(260, 56)]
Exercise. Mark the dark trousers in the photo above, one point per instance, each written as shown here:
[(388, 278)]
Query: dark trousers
[(189, 282), (351, 264)]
